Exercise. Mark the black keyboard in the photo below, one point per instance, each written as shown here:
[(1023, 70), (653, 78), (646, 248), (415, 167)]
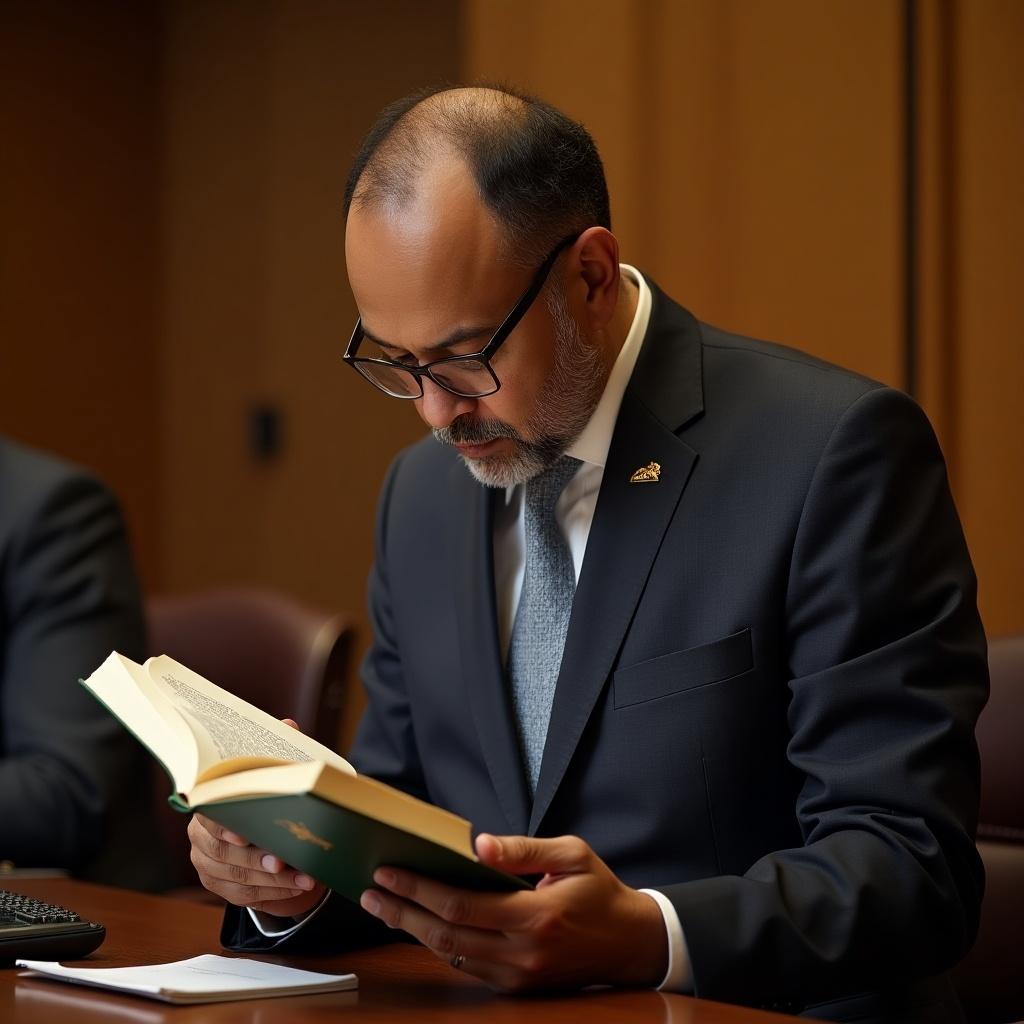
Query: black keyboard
[(33, 930)]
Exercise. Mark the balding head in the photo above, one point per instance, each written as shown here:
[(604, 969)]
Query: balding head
[(536, 172), (463, 207)]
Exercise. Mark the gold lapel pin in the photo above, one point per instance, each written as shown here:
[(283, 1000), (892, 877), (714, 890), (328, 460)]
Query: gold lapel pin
[(649, 474)]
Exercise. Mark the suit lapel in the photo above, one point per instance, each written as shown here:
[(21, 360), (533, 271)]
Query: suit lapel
[(630, 520), (472, 568)]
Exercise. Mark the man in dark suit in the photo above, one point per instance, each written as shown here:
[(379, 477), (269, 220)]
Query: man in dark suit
[(703, 652), (74, 790)]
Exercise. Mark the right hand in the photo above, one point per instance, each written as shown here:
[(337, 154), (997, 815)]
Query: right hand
[(234, 869)]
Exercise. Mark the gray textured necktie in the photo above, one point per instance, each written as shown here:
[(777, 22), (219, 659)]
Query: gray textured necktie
[(542, 618)]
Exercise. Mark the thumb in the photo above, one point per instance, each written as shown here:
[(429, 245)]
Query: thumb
[(522, 855)]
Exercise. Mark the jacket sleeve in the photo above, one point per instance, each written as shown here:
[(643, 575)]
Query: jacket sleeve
[(888, 675), (338, 926), (70, 596), (385, 746)]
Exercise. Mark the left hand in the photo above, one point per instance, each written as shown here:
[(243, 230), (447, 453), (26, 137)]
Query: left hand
[(579, 926)]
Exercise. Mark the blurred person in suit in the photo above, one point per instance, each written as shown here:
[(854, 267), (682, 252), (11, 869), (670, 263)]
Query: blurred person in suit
[(74, 785), (684, 622)]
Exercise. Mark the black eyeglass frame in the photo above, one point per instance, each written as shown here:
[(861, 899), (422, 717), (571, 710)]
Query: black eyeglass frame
[(508, 325)]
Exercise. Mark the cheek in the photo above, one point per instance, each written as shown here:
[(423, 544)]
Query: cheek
[(515, 403), (521, 386), (497, 408), (522, 375), (528, 358)]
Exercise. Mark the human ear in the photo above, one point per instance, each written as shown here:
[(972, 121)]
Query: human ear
[(596, 254)]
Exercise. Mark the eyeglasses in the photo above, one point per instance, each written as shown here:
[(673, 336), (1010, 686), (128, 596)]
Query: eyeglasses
[(468, 376)]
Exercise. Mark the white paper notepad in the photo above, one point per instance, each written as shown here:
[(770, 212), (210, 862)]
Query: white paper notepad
[(203, 979)]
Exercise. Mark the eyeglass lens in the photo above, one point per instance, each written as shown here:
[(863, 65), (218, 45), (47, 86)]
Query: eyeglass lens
[(467, 377)]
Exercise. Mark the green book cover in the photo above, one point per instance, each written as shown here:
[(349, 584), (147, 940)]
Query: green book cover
[(343, 848)]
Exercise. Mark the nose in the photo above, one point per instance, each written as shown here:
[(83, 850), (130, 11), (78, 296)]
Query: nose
[(438, 408)]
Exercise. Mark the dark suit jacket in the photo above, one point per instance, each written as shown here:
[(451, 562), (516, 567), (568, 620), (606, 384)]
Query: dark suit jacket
[(770, 681), (73, 783)]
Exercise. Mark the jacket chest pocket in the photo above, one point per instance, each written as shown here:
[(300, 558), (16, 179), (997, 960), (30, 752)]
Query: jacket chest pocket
[(683, 670)]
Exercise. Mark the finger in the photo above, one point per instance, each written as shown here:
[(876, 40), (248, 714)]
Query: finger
[(501, 912), (445, 940), (218, 831), (292, 723), (210, 868), (216, 846), (526, 856), (243, 864), (259, 897), (244, 887)]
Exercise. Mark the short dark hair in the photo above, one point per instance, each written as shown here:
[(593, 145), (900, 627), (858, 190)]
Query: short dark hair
[(536, 170)]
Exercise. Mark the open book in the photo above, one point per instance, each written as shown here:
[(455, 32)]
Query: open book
[(280, 789)]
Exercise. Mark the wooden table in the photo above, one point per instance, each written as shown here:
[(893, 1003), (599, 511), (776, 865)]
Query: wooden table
[(396, 983)]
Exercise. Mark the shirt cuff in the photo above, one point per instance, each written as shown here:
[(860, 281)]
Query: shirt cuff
[(679, 976), (273, 927)]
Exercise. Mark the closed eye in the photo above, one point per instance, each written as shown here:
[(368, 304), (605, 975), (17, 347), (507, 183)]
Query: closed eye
[(397, 355)]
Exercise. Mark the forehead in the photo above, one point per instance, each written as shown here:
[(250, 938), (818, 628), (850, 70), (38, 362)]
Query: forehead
[(420, 268)]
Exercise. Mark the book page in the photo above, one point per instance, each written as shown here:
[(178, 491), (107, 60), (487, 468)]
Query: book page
[(231, 734), (203, 979), (124, 688)]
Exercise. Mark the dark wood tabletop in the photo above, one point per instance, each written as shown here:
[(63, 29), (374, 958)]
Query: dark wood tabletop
[(396, 983)]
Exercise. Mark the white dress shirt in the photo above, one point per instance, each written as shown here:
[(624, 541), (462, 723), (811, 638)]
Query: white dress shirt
[(574, 513)]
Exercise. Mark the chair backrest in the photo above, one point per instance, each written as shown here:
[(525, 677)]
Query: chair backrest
[(289, 660), (991, 979)]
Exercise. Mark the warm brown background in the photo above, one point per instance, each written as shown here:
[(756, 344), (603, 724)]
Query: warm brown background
[(171, 247)]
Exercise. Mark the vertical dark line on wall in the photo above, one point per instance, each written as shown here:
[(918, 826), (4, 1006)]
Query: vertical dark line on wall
[(910, 281), (948, 213), (648, 159)]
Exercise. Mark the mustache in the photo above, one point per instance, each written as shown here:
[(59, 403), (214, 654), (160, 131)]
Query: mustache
[(464, 430)]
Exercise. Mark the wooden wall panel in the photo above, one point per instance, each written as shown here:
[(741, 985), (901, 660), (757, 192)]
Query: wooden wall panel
[(78, 111), (935, 213), (989, 259), (792, 118), (214, 288)]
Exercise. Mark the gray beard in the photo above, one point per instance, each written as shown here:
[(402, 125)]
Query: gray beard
[(567, 401)]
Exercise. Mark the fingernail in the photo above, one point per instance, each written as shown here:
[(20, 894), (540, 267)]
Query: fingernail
[(370, 902), (494, 842), (270, 862), (304, 882), (385, 877)]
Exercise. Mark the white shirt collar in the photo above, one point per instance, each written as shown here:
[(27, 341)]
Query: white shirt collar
[(593, 443)]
